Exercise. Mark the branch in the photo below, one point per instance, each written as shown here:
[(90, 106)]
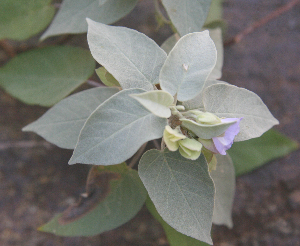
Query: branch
[(137, 156), (24, 144), (237, 38)]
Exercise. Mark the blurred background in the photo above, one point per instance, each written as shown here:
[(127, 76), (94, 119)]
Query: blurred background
[(36, 182)]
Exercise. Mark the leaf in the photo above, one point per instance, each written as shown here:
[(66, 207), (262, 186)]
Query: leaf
[(197, 102), (233, 102), (106, 77), (251, 154), (116, 130), (216, 36), (168, 45), (187, 16), (224, 180), (62, 123), (181, 190), (157, 102), (131, 57), (215, 12), (206, 131), (45, 76), (72, 14), (188, 65), (19, 20), (114, 195), (175, 238)]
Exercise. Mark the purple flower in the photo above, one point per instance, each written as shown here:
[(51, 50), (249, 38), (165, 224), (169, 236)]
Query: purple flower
[(220, 144)]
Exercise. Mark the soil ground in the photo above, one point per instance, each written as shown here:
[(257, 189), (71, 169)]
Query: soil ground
[(36, 182)]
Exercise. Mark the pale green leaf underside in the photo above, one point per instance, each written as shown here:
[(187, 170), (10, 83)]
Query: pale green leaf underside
[(126, 198), (157, 102), (182, 191), (216, 36), (62, 123), (224, 180), (188, 65), (175, 238), (233, 102), (45, 76), (106, 77), (187, 16), (205, 131), (116, 130), (72, 14), (252, 154), (131, 57), (168, 45), (197, 102), (22, 19)]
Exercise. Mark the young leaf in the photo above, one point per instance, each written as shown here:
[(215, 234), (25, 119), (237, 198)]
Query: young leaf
[(62, 123), (206, 131), (181, 190), (188, 65), (187, 16), (45, 76), (131, 57), (157, 102), (233, 102), (98, 210), (224, 180), (106, 77), (22, 19), (72, 14), (116, 130), (251, 154), (175, 238)]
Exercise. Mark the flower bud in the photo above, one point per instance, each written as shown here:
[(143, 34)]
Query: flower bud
[(172, 136), (190, 148)]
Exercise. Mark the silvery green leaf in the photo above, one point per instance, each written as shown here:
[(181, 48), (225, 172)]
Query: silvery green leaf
[(187, 16), (197, 102), (181, 190), (106, 77), (72, 14), (116, 130), (233, 102), (188, 65), (131, 57), (174, 237), (157, 102), (224, 180), (62, 123), (206, 131), (216, 36), (168, 45)]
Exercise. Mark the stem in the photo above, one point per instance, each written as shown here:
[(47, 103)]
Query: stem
[(162, 144), (137, 156), (156, 144), (8, 48), (237, 38), (94, 83)]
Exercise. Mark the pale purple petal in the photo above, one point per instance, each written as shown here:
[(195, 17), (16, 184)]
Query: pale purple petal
[(223, 143)]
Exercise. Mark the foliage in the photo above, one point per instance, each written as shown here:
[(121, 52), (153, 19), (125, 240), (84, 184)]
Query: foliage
[(171, 92)]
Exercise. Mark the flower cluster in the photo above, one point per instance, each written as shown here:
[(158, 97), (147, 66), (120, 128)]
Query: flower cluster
[(190, 148)]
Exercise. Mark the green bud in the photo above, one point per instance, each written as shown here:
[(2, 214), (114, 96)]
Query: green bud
[(190, 148)]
